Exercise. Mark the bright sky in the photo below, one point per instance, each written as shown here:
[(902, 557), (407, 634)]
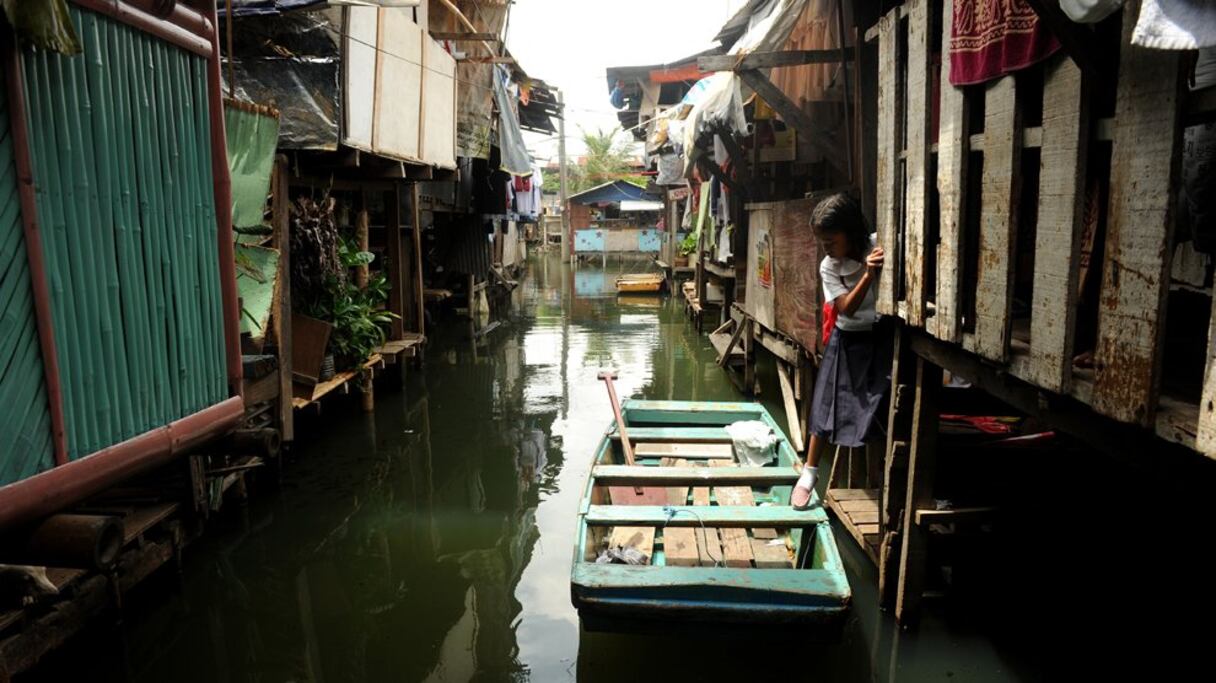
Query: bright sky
[(570, 43)]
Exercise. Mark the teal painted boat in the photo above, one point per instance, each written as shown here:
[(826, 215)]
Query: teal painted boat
[(717, 540)]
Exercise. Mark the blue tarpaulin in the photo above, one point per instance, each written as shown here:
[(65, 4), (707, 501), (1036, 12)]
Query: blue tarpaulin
[(615, 191)]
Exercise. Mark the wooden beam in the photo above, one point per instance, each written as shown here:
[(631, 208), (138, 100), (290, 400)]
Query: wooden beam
[(952, 197), (280, 211), (394, 265), (420, 306), (969, 515), (791, 408), (922, 463), (767, 60), (999, 192), (624, 475), (916, 168), (462, 36), (787, 109), (1060, 224), (895, 465), (1145, 159), (707, 515), (890, 140), (730, 346), (487, 60)]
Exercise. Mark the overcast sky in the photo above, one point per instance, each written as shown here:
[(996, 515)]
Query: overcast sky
[(569, 44)]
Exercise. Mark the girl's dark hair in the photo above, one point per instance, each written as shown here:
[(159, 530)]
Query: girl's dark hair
[(840, 213)]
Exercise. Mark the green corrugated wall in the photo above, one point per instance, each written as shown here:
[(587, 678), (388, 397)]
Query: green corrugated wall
[(120, 144), (25, 418)]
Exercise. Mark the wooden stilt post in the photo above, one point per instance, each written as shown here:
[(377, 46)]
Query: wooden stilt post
[(419, 292), (280, 208), (395, 264), (894, 474), (749, 357), (361, 277), (922, 462)]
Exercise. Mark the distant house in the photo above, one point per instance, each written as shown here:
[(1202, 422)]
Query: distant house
[(617, 216)]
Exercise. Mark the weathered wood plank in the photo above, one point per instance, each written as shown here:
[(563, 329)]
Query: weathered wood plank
[(680, 547), (768, 60), (797, 586), (1205, 433), (1145, 158), (791, 408), (682, 434), (676, 495), (620, 475), (640, 538), (711, 516), (679, 543), (853, 494), (890, 101), (694, 451), (741, 496), (916, 201), (864, 517), (1058, 235), (709, 545), (771, 555), (998, 219), (922, 462)]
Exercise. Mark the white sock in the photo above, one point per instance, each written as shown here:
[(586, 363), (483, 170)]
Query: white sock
[(808, 477)]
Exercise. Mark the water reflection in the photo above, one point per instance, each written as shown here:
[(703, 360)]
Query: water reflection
[(432, 540)]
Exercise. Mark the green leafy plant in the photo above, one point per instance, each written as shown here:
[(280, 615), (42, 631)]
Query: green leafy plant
[(357, 314), (689, 244)]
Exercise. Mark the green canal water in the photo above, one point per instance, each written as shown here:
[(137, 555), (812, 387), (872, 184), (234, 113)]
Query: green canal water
[(431, 540)]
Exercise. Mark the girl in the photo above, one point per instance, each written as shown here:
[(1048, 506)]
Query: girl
[(852, 376)]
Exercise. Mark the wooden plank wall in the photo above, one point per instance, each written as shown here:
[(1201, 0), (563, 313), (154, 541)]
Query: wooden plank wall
[(916, 209), (1058, 235), (1146, 135), (889, 145), (952, 150), (998, 220), (797, 302), (1144, 174)]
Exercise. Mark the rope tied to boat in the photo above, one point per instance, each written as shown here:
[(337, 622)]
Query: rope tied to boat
[(669, 512)]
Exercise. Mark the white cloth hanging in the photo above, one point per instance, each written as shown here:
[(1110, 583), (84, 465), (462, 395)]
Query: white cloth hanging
[(1176, 24)]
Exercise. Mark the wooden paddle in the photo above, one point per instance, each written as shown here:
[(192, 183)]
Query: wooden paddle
[(626, 495)]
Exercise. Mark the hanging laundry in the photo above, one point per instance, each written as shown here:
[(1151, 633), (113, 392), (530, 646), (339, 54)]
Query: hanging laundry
[(991, 38), (1176, 24), (1089, 11)]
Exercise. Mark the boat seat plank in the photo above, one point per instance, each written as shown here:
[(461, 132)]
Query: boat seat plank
[(682, 434), (711, 516), (695, 451), (719, 477)]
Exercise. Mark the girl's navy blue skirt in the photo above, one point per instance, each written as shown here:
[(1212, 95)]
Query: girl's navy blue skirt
[(854, 375)]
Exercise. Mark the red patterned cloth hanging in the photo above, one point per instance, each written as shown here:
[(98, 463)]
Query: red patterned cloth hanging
[(990, 38)]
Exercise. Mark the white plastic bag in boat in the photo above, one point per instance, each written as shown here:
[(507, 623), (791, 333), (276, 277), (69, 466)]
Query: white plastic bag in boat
[(755, 442)]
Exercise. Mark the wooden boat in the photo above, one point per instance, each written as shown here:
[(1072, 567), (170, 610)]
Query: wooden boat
[(641, 282), (726, 548)]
